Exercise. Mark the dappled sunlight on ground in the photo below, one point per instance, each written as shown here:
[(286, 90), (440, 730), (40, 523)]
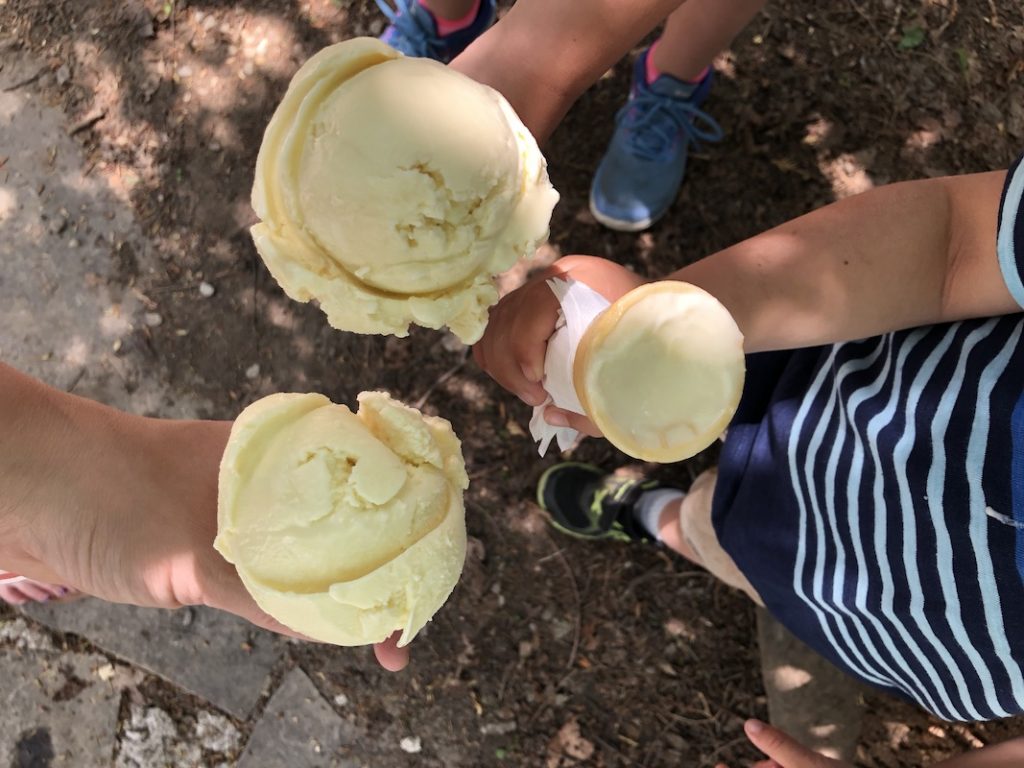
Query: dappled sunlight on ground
[(129, 276)]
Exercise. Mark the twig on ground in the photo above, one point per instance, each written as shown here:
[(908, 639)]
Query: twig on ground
[(954, 9), (579, 606), (87, 122), (75, 380), (27, 81), (871, 23), (610, 748), (552, 556), (710, 759), (993, 17), (897, 17), (692, 720), (505, 678), (657, 573), (442, 379)]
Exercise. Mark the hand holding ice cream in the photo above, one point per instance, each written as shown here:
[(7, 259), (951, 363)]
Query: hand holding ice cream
[(657, 368), (389, 220), (343, 526)]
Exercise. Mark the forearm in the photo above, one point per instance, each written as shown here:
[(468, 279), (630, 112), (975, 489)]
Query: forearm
[(56, 451), (545, 53), (898, 257), (47, 442), (33, 424)]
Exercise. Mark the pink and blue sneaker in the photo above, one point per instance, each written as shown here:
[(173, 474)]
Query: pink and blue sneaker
[(414, 30), (639, 176)]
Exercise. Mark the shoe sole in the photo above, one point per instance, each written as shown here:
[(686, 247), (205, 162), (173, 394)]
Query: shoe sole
[(620, 225)]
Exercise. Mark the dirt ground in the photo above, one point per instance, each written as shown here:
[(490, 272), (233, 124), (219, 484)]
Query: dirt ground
[(551, 652)]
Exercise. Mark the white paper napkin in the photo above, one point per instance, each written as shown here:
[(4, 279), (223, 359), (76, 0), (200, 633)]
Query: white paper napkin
[(581, 305)]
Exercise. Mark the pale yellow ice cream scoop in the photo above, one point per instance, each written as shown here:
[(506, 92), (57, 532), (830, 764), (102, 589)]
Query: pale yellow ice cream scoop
[(660, 372), (393, 189), (345, 527)]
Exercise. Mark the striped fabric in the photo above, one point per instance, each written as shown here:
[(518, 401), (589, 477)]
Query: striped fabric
[(873, 493)]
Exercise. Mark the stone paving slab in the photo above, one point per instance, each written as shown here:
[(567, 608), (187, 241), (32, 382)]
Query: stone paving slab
[(55, 710), (70, 249), (299, 730), (214, 655)]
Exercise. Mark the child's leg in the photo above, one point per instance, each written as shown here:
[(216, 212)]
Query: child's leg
[(685, 526), (696, 31), (807, 696), (638, 178)]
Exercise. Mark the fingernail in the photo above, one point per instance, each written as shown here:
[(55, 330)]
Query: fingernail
[(556, 419), (529, 373), (63, 591), (754, 727)]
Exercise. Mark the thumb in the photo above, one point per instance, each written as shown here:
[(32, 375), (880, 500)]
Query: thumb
[(224, 591), (783, 748), (390, 656)]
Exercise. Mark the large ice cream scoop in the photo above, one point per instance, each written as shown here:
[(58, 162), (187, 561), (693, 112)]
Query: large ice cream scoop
[(343, 526), (660, 372), (393, 189)]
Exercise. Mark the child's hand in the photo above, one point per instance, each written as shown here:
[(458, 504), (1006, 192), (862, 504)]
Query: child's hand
[(783, 750), (786, 752), (513, 347)]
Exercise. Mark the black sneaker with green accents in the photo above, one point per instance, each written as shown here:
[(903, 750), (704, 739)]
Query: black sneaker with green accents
[(585, 502)]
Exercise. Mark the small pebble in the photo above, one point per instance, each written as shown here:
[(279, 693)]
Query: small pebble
[(411, 744), (341, 700), (206, 290), (106, 672), (252, 371), (153, 319), (498, 729)]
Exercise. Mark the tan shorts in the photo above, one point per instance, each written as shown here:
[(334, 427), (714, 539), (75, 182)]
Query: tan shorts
[(699, 533)]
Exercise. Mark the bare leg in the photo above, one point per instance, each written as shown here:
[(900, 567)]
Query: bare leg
[(450, 9), (671, 533), (686, 528), (697, 30)]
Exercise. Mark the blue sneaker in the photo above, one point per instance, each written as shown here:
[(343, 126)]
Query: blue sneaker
[(641, 171), (413, 30)]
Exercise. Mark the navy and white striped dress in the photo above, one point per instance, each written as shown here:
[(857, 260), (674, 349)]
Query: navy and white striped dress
[(873, 493)]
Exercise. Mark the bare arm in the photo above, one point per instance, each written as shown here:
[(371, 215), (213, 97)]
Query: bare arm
[(545, 53), (901, 256), (118, 506)]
